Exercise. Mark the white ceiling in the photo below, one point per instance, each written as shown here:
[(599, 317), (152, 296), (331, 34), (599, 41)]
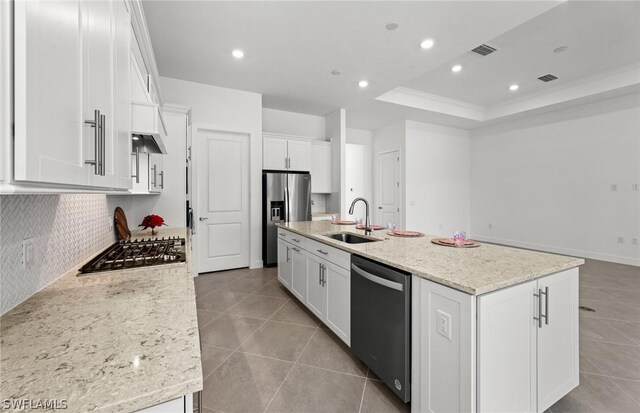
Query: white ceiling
[(291, 47), (600, 36)]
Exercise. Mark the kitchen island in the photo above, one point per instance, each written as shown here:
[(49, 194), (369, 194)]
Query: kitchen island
[(493, 328), (117, 341)]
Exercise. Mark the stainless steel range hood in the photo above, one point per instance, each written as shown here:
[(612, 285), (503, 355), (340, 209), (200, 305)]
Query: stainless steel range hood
[(147, 128)]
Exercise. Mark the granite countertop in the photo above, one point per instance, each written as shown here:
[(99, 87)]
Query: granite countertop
[(116, 341), (471, 270)]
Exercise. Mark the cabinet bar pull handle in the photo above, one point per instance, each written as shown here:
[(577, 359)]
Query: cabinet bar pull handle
[(162, 179), (287, 254), (539, 317), (322, 252), (95, 124), (324, 275), (546, 305), (296, 249), (155, 175), (103, 126), (320, 274), (295, 239)]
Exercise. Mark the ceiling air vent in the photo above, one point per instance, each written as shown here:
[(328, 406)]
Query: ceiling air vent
[(548, 78), (484, 49)]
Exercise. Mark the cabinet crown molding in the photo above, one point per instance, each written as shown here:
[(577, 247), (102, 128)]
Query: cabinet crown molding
[(285, 136)]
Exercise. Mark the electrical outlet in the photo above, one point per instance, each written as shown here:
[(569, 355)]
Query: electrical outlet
[(620, 240), (28, 254), (614, 187), (444, 324), (634, 241)]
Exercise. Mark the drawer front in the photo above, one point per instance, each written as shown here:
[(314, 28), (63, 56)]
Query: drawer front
[(284, 234), (331, 254), (297, 240)]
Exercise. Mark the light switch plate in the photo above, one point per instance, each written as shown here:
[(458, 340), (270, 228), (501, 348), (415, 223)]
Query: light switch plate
[(444, 324)]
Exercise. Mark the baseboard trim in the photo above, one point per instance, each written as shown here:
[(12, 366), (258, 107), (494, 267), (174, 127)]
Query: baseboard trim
[(561, 250)]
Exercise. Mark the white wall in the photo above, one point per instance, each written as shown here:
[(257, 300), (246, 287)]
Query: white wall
[(389, 138), (545, 182), (359, 172), (437, 178), (336, 130), (292, 123), (227, 110)]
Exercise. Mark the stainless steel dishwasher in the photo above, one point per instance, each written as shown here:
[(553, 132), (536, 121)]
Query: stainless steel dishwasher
[(381, 322)]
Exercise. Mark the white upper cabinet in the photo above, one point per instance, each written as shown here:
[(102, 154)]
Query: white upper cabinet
[(122, 94), (285, 153), (72, 93), (298, 152), (48, 78), (321, 168), (274, 153)]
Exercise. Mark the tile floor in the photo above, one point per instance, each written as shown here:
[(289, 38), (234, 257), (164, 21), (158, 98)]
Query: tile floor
[(262, 351)]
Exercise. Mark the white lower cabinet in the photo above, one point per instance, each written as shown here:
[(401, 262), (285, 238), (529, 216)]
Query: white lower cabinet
[(511, 350), (558, 355), (298, 272), (321, 283), (338, 314), (528, 344), (284, 263), (316, 291)]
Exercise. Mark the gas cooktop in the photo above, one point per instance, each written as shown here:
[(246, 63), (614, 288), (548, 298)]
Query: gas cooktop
[(137, 254)]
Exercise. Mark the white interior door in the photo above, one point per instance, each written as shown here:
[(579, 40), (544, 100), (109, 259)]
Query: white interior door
[(388, 188), (223, 200)]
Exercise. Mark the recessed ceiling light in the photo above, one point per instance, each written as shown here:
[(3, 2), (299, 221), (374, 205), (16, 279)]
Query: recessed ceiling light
[(336, 72), (427, 44), (363, 83), (135, 138), (237, 53), (456, 68), (560, 49), (513, 88), (392, 26)]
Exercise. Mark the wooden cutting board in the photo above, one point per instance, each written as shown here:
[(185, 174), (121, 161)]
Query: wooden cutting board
[(120, 223)]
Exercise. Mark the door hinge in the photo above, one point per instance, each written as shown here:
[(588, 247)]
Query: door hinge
[(398, 184), (398, 159), (398, 209)]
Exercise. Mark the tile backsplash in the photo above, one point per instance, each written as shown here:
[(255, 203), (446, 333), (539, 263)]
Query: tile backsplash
[(64, 230)]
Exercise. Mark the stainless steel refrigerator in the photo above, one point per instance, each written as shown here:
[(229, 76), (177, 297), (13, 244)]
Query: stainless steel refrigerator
[(286, 197)]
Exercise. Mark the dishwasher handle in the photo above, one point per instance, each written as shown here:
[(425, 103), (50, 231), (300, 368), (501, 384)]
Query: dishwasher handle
[(382, 281)]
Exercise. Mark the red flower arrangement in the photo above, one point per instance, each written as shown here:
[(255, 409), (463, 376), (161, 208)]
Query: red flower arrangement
[(152, 221)]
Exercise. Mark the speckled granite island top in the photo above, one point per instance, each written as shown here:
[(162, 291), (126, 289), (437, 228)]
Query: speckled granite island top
[(115, 341), (471, 270)]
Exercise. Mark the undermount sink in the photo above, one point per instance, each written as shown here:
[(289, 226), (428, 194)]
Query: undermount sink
[(351, 238)]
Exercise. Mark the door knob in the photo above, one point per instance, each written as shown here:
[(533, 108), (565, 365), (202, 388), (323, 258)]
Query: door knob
[(202, 219), (379, 207)]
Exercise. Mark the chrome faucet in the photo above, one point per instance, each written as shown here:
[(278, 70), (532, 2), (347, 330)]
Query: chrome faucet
[(367, 228)]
